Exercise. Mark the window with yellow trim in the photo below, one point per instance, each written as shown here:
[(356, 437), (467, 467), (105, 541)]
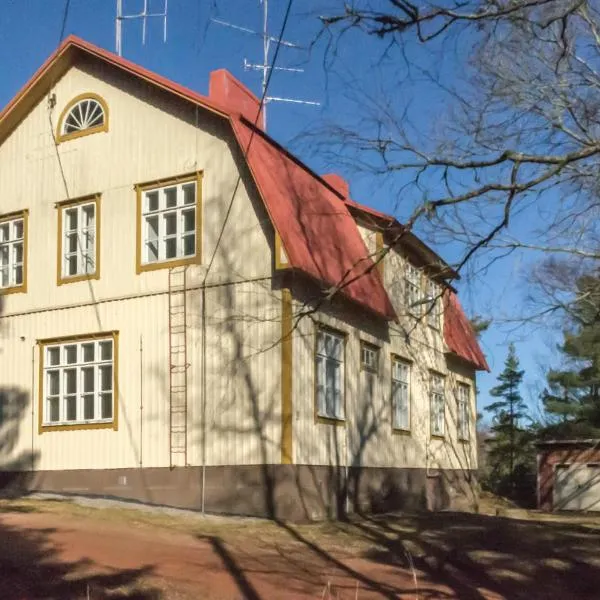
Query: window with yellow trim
[(84, 115), (169, 231), (13, 255), (79, 382), (79, 227), (329, 368)]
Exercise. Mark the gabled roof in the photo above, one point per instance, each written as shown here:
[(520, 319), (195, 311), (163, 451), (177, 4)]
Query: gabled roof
[(314, 222)]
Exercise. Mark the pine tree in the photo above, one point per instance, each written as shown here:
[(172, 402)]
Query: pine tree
[(509, 440), (572, 398)]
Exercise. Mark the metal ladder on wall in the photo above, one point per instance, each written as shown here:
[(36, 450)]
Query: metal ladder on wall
[(178, 367)]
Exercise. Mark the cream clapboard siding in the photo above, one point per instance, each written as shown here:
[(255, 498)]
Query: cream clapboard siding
[(149, 137), (366, 437)]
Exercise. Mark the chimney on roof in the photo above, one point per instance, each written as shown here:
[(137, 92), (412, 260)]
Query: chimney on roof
[(232, 94), (338, 183)]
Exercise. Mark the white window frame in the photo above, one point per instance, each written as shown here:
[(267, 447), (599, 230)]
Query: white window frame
[(84, 115), (13, 252), (437, 405), (85, 253), (413, 292), (79, 379), (369, 357), (434, 312), (463, 402), (166, 237), (330, 374), (401, 394)]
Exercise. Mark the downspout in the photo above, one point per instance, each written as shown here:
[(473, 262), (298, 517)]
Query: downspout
[(203, 393), (33, 346), (141, 402)]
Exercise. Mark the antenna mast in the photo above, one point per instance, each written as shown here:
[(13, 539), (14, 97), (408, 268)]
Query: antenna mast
[(144, 16), (265, 66)]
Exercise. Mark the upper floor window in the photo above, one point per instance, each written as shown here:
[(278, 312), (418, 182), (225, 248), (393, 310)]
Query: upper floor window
[(433, 308), (168, 223), (13, 252), (437, 405), (369, 357), (462, 411), (400, 394), (412, 289), (83, 115), (79, 386), (329, 367), (79, 227)]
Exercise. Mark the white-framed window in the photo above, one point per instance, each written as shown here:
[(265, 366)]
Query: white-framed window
[(329, 367), (85, 114), (412, 289), (79, 382), (463, 394), (400, 394), (168, 222), (437, 405), (78, 243), (369, 357), (12, 252), (433, 308)]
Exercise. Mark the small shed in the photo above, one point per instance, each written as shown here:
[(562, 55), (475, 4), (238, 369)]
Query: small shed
[(568, 475)]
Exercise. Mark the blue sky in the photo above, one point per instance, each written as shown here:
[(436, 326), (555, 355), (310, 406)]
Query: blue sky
[(30, 30)]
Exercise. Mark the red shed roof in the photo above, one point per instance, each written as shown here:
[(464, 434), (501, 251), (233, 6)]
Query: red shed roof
[(312, 218)]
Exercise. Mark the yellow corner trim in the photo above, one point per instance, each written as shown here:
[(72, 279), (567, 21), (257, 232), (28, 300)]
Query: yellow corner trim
[(287, 433)]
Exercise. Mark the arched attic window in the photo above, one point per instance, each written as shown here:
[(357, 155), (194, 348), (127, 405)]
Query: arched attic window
[(84, 115)]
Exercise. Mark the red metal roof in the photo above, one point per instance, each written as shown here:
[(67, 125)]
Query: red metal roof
[(459, 335), (317, 230)]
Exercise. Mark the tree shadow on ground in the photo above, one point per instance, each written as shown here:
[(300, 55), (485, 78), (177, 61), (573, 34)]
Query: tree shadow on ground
[(471, 553), (30, 567)]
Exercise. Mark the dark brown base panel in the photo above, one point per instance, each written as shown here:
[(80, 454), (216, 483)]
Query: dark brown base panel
[(290, 492)]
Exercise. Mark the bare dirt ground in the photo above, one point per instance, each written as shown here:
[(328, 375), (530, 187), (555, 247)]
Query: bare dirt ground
[(58, 549)]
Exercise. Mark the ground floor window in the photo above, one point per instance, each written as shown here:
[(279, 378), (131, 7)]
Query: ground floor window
[(79, 381), (462, 409), (438, 405), (400, 394), (329, 367)]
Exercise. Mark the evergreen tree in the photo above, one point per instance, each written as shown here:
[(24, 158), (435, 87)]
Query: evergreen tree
[(572, 398), (509, 441)]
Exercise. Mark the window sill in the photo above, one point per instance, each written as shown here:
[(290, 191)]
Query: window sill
[(169, 264), (330, 420), (404, 432), (16, 289), (65, 137), (464, 441), (77, 426), (438, 436), (62, 280)]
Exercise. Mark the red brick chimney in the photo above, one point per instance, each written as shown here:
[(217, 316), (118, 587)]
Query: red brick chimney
[(338, 183), (227, 91)]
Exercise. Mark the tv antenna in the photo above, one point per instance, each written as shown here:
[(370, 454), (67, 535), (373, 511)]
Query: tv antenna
[(144, 15), (269, 41)]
